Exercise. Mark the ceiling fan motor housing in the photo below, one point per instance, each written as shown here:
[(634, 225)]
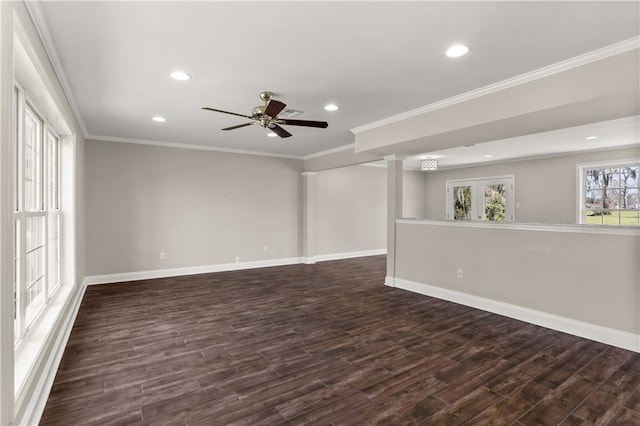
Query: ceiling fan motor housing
[(258, 111)]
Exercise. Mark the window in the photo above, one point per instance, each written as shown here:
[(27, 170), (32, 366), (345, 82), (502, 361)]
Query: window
[(36, 216), (487, 199), (609, 193)]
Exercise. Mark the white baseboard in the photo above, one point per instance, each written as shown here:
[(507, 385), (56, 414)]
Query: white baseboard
[(34, 404), (222, 267), (390, 281), (191, 270), (610, 336), (349, 255)]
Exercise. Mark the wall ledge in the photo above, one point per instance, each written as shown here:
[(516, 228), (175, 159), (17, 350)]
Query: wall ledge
[(520, 226), (609, 336)]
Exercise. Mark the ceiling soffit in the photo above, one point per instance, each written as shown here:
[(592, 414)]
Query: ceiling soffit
[(596, 91)]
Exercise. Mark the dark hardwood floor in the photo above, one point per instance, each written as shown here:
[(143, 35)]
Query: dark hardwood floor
[(325, 344)]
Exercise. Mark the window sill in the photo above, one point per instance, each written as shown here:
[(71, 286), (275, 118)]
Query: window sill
[(29, 351)]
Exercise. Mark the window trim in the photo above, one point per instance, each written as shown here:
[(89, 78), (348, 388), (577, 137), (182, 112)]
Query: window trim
[(580, 187)]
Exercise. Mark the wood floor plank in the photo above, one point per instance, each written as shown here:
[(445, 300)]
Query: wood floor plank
[(560, 403), (601, 406), (323, 344), (513, 406)]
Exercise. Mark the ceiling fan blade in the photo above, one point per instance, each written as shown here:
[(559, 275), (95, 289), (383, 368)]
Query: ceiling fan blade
[(307, 123), (238, 126), (227, 112), (279, 131), (273, 108)]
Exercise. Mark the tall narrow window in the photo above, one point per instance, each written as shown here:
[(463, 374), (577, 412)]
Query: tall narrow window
[(36, 216)]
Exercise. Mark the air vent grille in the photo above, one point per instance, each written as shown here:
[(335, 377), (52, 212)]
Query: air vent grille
[(289, 113)]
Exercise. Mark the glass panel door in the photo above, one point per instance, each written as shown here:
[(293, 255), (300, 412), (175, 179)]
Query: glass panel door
[(494, 202), (462, 202)]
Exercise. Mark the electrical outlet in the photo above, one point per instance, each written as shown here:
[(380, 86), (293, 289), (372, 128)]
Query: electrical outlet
[(266, 248), (460, 273), (162, 255), (237, 259)]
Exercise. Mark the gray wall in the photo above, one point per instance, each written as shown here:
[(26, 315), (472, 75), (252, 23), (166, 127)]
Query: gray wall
[(199, 207), (352, 207), (545, 188), (414, 194), (204, 208), (587, 277)]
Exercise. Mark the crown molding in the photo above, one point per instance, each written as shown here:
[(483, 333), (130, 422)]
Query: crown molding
[(34, 8), (577, 61), (329, 151), (189, 146)]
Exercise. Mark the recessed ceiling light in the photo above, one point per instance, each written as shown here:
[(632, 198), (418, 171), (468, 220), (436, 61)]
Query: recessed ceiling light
[(488, 156), (331, 107), (457, 50), (180, 75), (159, 119), (591, 138), (271, 135)]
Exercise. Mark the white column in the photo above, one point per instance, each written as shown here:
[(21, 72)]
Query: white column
[(308, 216), (6, 218), (394, 211)]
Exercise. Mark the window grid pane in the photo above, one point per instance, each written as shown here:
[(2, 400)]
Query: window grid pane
[(16, 280), (35, 301), (53, 244), (32, 173), (52, 171)]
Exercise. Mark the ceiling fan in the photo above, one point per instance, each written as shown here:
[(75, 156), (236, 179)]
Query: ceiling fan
[(267, 116)]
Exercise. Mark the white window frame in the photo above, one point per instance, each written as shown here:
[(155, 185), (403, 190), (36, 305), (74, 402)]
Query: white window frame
[(581, 168), (20, 215), (477, 200)]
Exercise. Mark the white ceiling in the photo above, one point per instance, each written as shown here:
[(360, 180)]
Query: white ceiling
[(373, 59)]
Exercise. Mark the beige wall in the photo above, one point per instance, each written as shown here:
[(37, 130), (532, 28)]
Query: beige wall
[(544, 188), (199, 207), (352, 207), (587, 277), (414, 194)]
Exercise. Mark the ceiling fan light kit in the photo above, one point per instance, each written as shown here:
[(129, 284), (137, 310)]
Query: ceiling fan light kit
[(267, 117)]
